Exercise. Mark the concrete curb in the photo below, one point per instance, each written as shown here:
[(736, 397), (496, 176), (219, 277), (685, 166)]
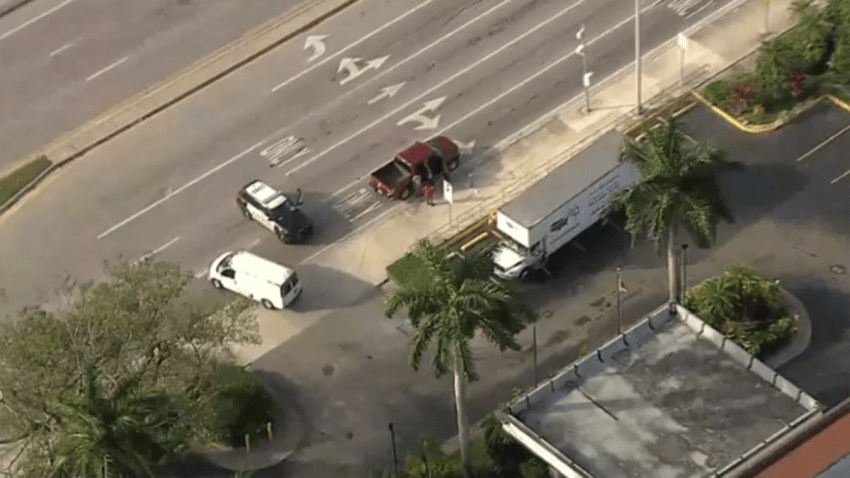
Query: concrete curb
[(801, 339), (110, 124), (839, 102), (14, 6)]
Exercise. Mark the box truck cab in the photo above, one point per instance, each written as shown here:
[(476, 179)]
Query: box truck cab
[(556, 209), (271, 284)]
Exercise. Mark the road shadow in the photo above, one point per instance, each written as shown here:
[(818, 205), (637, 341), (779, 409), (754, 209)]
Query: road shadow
[(326, 288), (479, 167), (822, 370), (329, 226)]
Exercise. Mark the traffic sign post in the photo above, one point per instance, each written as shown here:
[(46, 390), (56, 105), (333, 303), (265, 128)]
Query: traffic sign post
[(448, 196), (585, 77)]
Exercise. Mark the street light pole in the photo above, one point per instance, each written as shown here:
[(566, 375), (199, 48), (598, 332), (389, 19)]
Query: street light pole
[(581, 50), (395, 456), (684, 272), (638, 108)]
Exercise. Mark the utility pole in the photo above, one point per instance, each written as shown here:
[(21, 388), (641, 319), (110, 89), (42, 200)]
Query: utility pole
[(585, 76), (638, 108), (395, 456)]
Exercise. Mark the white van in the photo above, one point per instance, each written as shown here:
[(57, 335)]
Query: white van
[(271, 284)]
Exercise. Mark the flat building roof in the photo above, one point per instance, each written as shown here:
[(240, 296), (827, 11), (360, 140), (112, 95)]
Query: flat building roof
[(679, 401)]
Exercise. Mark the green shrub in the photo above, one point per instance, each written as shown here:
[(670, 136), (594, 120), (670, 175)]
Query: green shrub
[(19, 178), (239, 404), (744, 306), (718, 92), (408, 270)]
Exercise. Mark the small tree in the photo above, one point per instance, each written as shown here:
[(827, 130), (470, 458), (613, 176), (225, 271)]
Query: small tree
[(122, 345)]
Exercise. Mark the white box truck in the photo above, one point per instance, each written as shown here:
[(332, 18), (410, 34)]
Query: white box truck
[(560, 206)]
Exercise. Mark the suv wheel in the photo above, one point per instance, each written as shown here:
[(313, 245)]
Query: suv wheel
[(406, 193), (267, 304), (283, 236), (453, 164), (525, 274), (217, 284)]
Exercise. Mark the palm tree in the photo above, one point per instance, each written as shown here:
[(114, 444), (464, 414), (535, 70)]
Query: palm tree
[(677, 190), (125, 432), (459, 300)]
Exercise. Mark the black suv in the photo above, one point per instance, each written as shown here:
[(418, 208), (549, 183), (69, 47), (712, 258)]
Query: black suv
[(275, 211)]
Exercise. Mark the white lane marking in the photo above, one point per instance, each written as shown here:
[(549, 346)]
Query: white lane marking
[(540, 72), (434, 88), (354, 71), (30, 22), (317, 43), (107, 68), (179, 190), (824, 143), (253, 244), (710, 3), (839, 178), (350, 234), (62, 48), (342, 97), (386, 92), (425, 122), (201, 274), (369, 209), (158, 249), (276, 153), (361, 40)]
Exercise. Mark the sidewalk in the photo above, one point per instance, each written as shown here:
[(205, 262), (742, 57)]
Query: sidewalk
[(537, 149)]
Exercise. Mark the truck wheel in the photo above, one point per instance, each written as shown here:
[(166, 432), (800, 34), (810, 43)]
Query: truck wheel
[(405, 194), (216, 283), (453, 164), (267, 304)]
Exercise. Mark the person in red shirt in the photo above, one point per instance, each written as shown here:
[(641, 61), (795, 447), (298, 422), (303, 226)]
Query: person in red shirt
[(428, 192)]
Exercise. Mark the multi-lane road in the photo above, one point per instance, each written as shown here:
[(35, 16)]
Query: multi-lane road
[(64, 61), (319, 113)]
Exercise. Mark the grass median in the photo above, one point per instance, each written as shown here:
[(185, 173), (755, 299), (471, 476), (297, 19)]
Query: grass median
[(18, 179)]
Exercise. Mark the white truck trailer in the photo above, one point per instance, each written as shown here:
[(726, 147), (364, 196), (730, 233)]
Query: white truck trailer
[(560, 206)]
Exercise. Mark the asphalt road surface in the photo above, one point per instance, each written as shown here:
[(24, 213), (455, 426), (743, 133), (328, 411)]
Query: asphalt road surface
[(320, 112), (792, 223), (65, 61)]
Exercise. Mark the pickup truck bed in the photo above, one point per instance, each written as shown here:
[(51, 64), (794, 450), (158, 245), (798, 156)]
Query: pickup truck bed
[(390, 173)]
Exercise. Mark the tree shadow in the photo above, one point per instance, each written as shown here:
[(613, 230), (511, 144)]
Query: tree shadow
[(326, 288)]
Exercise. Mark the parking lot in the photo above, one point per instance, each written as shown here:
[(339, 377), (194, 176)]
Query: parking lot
[(792, 208)]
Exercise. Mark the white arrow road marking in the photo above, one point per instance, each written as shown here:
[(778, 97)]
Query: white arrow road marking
[(354, 71), (434, 88), (316, 42), (386, 92), (419, 115), (361, 40)]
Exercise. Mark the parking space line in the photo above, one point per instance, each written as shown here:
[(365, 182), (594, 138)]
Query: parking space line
[(62, 48), (839, 178), (826, 142), (158, 249), (178, 191)]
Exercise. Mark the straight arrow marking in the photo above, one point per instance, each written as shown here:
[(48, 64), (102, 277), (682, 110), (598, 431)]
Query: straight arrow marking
[(386, 92)]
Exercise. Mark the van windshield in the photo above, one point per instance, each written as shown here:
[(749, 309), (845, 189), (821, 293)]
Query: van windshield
[(289, 285)]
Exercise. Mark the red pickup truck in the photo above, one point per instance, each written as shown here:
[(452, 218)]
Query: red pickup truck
[(427, 160)]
